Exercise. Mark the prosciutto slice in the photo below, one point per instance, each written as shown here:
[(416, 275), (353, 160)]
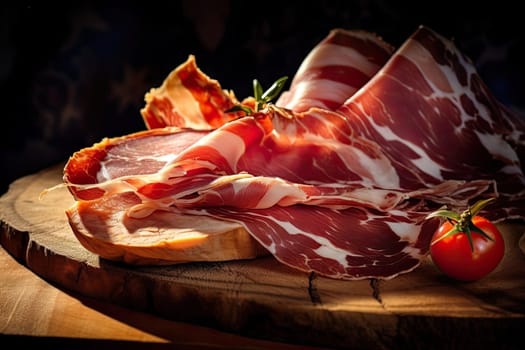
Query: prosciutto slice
[(342, 188), (449, 125), (189, 99), (335, 69)]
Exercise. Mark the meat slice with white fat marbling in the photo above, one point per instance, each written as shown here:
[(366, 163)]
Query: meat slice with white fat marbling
[(340, 191), (436, 120), (335, 69)]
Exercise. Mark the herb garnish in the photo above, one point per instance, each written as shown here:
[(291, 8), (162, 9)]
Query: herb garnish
[(261, 98)]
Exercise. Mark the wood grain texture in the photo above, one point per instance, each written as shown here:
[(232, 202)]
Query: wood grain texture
[(35, 312), (264, 299)]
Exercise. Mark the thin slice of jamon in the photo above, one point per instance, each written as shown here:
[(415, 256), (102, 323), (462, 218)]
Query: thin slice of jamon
[(355, 243), (335, 69), (254, 163), (341, 193), (436, 120), (139, 154), (101, 222), (189, 99), (162, 238)]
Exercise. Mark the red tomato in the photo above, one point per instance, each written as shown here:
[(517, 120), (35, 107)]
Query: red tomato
[(454, 256)]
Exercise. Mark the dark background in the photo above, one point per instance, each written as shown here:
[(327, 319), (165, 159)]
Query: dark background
[(72, 74)]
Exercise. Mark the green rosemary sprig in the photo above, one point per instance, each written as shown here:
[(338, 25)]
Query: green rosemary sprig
[(261, 97)]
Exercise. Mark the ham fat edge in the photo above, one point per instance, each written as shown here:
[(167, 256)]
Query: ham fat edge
[(335, 178)]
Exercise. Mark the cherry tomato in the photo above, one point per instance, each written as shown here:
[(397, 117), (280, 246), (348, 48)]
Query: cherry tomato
[(454, 257), (466, 246)]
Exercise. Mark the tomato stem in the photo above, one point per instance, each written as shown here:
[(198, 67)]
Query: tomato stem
[(462, 223)]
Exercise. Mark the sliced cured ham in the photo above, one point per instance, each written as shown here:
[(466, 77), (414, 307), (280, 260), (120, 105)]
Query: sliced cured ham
[(449, 125), (103, 226), (341, 190), (355, 243), (189, 99), (139, 154), (162, 238), (335, 69)]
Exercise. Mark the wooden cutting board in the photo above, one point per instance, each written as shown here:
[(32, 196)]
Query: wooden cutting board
[(262, 298)]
